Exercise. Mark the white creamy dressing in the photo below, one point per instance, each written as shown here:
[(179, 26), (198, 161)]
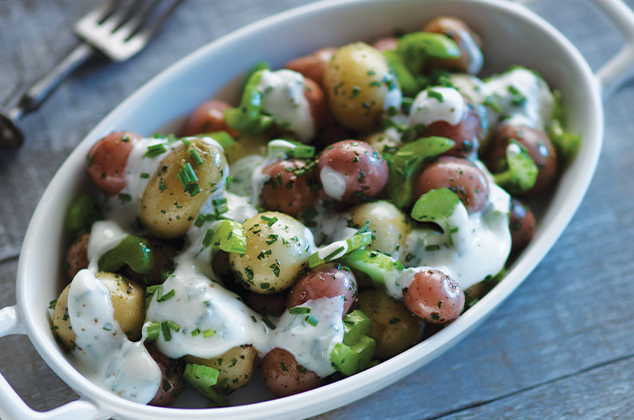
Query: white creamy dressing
[(476, 59), (283, 98), (104, 235), (333, 182), (103, 353), (428, 109)]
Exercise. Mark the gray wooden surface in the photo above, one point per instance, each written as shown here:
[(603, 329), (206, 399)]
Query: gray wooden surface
[(561, 347)]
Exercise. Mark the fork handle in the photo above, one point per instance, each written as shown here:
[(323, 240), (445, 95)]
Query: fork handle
[(40, 90)]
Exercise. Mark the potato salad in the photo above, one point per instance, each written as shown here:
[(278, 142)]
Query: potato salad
[(342, 208)]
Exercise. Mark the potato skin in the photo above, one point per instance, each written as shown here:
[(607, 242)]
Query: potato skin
[(207, 118), (357, 81), (454, 28), (522, 224), (328, 280), (276, 253), (394, 327), (312, 66), (107, 160), (539, 147), (128, 301), (287, 192), (172, 382), (166, 209), (316, 98), (387, 43), (364, 169), (235, 367), (77, 256), (434, 297), (389, 226), (459, 175), (283, 376)]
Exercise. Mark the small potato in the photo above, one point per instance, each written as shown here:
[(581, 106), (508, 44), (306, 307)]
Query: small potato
[(522, 224), (172, 382), (459, 175), (77, 256), (267, 304), (235, 367), (283, 376), (383, 142), (434, 297), (332, 132), (394, 327), (207, 118), (470, 61), (387, 43), (316, 98), (328, 280), (277, 252), (360, 86), (313, 65), (167, 209), (128, 301), (107, 160), (290, 187), (539, 147), (352, 171), (389, 226)]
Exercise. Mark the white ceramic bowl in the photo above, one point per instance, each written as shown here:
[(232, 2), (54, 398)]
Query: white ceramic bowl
[(511, 35)]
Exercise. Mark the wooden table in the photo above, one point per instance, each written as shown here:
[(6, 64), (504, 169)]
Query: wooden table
[(560, 347)]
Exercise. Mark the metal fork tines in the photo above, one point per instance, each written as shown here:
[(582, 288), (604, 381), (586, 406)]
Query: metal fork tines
[(121, 28)]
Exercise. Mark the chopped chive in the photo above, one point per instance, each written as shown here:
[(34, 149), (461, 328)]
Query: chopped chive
[(144, 175), (173, 326), (221, 205), (186, 142), (166, 296), (153, 332), (436, 95), (312, 321), (268, 322), (299, 310), (125, 197), (209, 333), (269, 220), (200, 221), (155, 150), (254, 319), (89, 160), (432, 247), (196, 332), (167, 335), (196, 156), (208, 238)]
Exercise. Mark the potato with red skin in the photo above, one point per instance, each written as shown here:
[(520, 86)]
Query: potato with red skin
[(207, 118), (316, 98), (285, 190), (328, 280), (352, 171), (539, 147), (283, 376), (459, 175), (457, 30), (387, 43), (522, 225), (172, 382), (313, 65), (77, 256), (467, 134), (267, 304), (107, 160), (434, 297)]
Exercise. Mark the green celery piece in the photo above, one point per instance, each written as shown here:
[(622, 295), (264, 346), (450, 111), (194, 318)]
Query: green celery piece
[(436, 206), (352, 359), (222, 137), (83, 212), (356, 324), (409, 84), (231, 237), (365, 349), (521, 173), (360, 239), (248, 117), (407, 161), (262, 65), (202, 379), (374, 264), (132, 251), (416, 47)]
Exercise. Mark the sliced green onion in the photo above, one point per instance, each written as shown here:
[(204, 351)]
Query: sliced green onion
[(153, 332), (155, 150), (312, 321), (165, 328), (200, 375), (196, 156), (298, 310), (209, 333), (173, 326), (200, 220), (166, 296), (269, 220), (195, 332)]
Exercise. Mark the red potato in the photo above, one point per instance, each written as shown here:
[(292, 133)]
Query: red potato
[(352, 171), (77, 256), (539, 147), (285, 190), (387, 43), (283, 376), (328, 280), (107, 160), (317, 100), (459, 175), (522, 224), (172, 382), (332, 132), (267, 304), (207, 118), (457, 30), (313, 65), (467, 133), (434, 297)]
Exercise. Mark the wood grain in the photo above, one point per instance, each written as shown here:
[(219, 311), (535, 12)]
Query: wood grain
[(559, 347)]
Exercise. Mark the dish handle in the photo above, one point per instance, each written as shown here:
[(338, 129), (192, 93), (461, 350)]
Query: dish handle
[(12, 407)]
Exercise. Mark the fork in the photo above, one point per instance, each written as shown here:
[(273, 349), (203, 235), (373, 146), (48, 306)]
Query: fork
[(117, 29)]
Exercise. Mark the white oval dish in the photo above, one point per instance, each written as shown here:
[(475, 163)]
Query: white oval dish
[(511, 35)]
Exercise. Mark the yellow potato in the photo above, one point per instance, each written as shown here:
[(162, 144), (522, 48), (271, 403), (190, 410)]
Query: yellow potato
[(128, 301), (394, 328), (277, 252), (360, 86), (167, 209), (246, 145), (235, 367)]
